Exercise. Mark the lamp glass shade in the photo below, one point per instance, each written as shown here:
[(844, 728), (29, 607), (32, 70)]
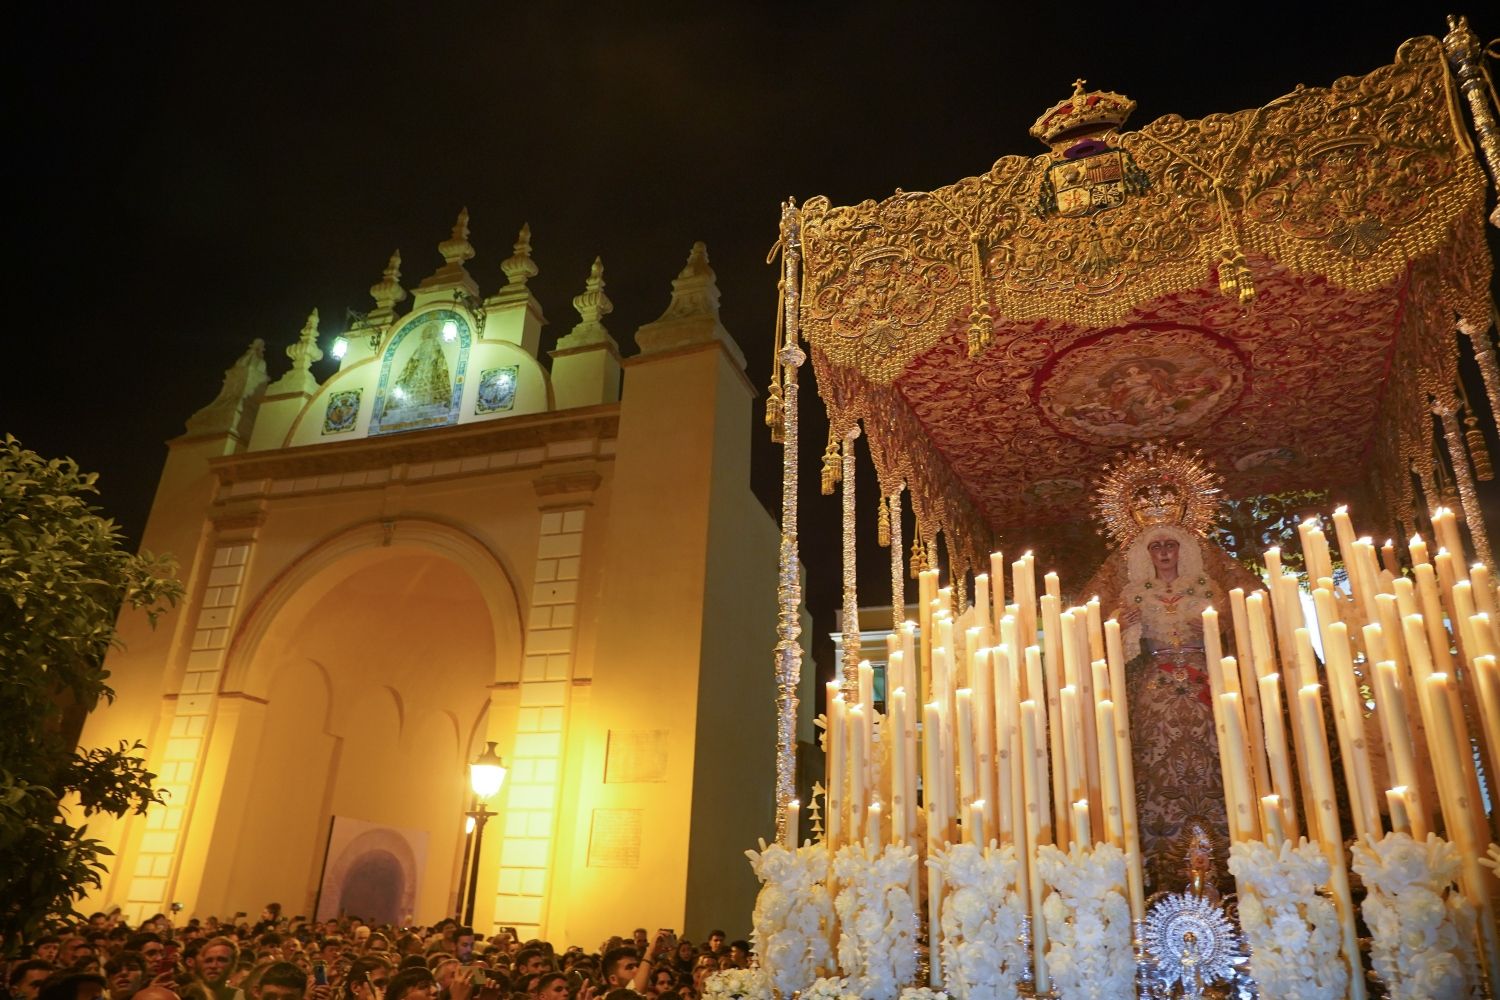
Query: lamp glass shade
[(487, 773)]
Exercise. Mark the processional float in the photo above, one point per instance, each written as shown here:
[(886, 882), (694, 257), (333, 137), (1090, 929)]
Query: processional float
[(1252, 312)]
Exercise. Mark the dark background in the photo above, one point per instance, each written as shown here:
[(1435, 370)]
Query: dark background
[(184, 180)]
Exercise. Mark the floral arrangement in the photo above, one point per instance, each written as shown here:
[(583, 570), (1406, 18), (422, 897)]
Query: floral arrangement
[(834, 988), (793, 920), (922, 993), (877, 918), (1293, 931), (1088, 922), (737, 984), (1421, 927), (981, 921)]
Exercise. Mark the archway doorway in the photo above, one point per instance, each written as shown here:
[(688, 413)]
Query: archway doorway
[(378, 671)]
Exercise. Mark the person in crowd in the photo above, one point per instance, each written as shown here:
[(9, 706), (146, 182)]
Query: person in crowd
[(532, 962), (214, 963), (716, 943), (366, 980), (411, 984), (739, 953), (683, 958), (284, 981), (622, 967), (663, 982), (46, 948), (463, 944), (126, 975), (26, 978), (706, 966), (550, 986), (72, 986)]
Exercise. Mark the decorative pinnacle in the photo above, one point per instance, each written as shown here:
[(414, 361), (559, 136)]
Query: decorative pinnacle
[(306, 351), (388, 291), (592, 305), (456, 248), (519, 268), (695, 290)]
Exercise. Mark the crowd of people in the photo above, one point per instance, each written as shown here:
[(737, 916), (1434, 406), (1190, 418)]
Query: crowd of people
[(279, 958)]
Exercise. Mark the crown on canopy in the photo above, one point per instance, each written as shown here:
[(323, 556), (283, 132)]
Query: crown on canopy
[(1083, 114), (1156, 485)]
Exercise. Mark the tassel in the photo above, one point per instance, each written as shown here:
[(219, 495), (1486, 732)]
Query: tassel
[(775, 412), (981, 327), (882, 526), (1484, 471), (1235, 279), (833, 465)]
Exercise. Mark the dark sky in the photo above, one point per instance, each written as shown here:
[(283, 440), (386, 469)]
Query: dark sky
[(187, 178)]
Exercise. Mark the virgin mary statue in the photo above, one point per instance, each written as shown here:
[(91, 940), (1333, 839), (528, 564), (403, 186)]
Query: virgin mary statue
[(1158, 506)]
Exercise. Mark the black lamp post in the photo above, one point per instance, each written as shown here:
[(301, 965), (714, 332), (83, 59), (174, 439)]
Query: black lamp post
[(486, 775)]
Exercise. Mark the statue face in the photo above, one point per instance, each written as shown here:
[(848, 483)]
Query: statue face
[(1163, 554)]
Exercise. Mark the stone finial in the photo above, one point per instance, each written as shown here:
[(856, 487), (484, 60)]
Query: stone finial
[(519, 268), (233, 409), (388, 291), (695, 290), (455, 250), (692, 317), (305, 352), (592, 305)]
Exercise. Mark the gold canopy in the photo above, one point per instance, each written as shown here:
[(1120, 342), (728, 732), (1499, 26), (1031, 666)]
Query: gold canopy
[(1276, 287)]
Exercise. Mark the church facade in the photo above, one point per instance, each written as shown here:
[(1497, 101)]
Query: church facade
[(448, 543)]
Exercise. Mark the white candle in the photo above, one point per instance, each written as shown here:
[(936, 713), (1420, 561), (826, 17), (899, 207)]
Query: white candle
[(1081, 836), (984, 611), (974, 824), (1035, 793), (932, 724), (873, 838), (1400, 818), (965, 747), (836, 743), (857, 788), (789, 834), (1271, 820), (997, 584), (900, 794), (1109, 772), (1277, 752)]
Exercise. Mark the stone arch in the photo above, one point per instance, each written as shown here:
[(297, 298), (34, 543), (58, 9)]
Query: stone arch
[(369, 845), (344, 553)]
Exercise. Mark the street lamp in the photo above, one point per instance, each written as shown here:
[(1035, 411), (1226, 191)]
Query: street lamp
[(486, 775)]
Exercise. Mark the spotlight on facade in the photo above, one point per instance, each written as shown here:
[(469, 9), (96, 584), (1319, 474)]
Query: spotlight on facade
[(340, 348), (450, 331)]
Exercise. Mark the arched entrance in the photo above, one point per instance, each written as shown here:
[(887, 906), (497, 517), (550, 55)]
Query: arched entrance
[(372, 674)]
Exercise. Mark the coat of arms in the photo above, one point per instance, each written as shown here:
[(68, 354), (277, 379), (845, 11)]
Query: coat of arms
[(1089, 175)]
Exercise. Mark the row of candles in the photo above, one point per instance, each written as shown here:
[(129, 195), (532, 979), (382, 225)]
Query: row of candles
[(1390, 664), (993, 770), (1029, 744)]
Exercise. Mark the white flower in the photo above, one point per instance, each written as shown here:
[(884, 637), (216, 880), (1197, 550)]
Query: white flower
[(794, 917), (1293, 931), (1089, 953), (1420, 925), (878, 918), (980, 950), (737, 984)]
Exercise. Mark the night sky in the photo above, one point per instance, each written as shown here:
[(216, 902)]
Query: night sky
[(185, 180)]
